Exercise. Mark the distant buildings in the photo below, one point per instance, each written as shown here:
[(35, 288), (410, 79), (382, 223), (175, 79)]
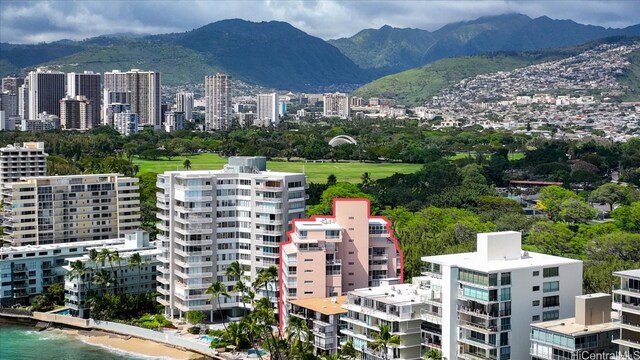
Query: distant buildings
[(267, 110), (144, 94), (43, 122), (217, 90), (76, 113), (173, 120), (184, 104), (22, 160), (126, 122), (11, 84), (86, 84), (46, 88), (336, 105), (9, 103), (58, 209)]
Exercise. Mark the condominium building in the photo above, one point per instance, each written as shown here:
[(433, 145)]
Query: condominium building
[(323, 318), (9, 103), (126, 277), (336, 105), (22, 160), (43, 122), (267, 110), (113, 103), (626, 300), (46, 88), (27, 271), (331, 255), (86, 84), (12, 83), (76, 113), (173, 120), (588, 335), (126, 122), (23, 101), (59, 209), (211, 218), (184, 104), (489, 297), (396, 306), (217, 109), (143, 88)]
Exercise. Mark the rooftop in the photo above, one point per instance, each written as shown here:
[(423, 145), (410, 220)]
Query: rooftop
[(570, 327), (399, 294), (91, 244), (628, 273), (323, 305)]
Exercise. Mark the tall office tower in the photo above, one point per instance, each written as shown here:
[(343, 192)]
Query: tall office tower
[(144, 89), (481, 303), (22, 160), (626, 300), (58, 209), (9, 103), (86, 84), (217, 91), (46, 88), (211, 218), (12, 84), (126, 122), (336, 105), (184, 104), (329, 256), (173, 120), (23, 101), (267, 110), (76, 113)]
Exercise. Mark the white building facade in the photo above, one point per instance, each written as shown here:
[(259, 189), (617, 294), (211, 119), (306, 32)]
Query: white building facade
[(336, 105), (217, 109), (126, 122), (267, 110), (22, 160)]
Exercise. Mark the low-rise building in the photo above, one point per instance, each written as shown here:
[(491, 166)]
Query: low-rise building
[(323, 318)]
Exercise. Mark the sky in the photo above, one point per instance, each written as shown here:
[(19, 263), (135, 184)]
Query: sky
[(33, 21)]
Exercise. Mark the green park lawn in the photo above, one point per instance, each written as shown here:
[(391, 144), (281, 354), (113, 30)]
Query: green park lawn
[(316, 172)]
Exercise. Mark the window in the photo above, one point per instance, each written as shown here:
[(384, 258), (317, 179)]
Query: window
[(551, 286), (505, 353), (504, 339), (550, 272), (505, 279), (505, 323), (536, 273), (535, 303), (535, 318), (550, 301), (551, 315), (505, 294), (536, 288)]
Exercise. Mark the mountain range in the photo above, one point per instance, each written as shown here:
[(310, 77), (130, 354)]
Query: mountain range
[(277, 55)]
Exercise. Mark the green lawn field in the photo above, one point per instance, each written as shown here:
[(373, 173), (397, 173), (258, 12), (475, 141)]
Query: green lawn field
[(316, 172)]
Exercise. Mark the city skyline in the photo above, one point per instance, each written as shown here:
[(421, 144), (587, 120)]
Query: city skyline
[(38, 21)]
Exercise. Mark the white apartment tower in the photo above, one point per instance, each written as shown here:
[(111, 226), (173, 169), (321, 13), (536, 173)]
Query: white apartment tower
[(217, 91), (22, 160), (211, 218), (58, 209), (46, 88), (482, 303), (173, 120), (86, 84), (336, 105), (267, 110), (126, 122), (184, 104), (144, 94)]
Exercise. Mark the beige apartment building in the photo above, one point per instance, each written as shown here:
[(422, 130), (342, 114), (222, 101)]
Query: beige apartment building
[(331, 255), (22, 160), (59, 209)]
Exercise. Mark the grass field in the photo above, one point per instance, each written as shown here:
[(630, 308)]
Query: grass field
[(316, 172)]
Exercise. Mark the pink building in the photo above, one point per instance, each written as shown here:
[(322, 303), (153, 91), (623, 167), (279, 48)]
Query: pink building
[(328, 256)]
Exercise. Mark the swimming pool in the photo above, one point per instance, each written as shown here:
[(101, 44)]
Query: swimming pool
[(66, 312), (253, 351), (208, 338)]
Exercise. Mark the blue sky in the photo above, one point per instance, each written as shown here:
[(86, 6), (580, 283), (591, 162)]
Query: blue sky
[(31, 21)]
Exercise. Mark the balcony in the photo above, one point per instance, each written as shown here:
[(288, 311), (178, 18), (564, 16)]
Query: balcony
[(430, 273), (635, 326), (475, 355), (479, 327), (485, 344), (626, 307), (432, 344)]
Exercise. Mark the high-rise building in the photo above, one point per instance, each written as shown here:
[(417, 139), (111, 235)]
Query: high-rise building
[(46, 88), (211, 218), (12, 84), (57, 209), (217, 90), (76, 113), (481, 303), (626, 300), (126, 122), (588, 335), (9, 103), (144, 98), (173, 120), (23, 101), (22, 160), (114, 108), (267, 110), (331, 255), (184, 104), (86, 84), (336, 105)]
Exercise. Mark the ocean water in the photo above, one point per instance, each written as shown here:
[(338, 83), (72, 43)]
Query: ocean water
[(25, 343)]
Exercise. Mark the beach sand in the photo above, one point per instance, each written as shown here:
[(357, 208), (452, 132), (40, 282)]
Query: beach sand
[(135, 345)]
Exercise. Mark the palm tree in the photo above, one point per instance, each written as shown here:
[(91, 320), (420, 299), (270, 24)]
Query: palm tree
[(240, 288), (235, 270), (187, 164), (114, 257), (348, 351), (298, 335), (433, 354), (383, 340), (216, 290), (254, 329), (102, 278), (135, 261), (236, 334), (103, 257)]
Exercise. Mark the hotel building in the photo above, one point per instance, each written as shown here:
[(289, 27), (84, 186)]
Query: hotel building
[(488, 298), (46, 88), (626, 300), (59, 209), (336, 105), (211, 218), (267, 110), (22, 160), (330, 255), (217, 108), (86, 84)]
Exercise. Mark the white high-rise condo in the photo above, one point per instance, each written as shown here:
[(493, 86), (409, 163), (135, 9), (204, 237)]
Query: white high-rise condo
[(217, 92), (211, 218), (86, 84), (46, 88), (144, 94), (173, 120), (126, 122), (267, 109), (336, 104), (22, 160), (481, 303)]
